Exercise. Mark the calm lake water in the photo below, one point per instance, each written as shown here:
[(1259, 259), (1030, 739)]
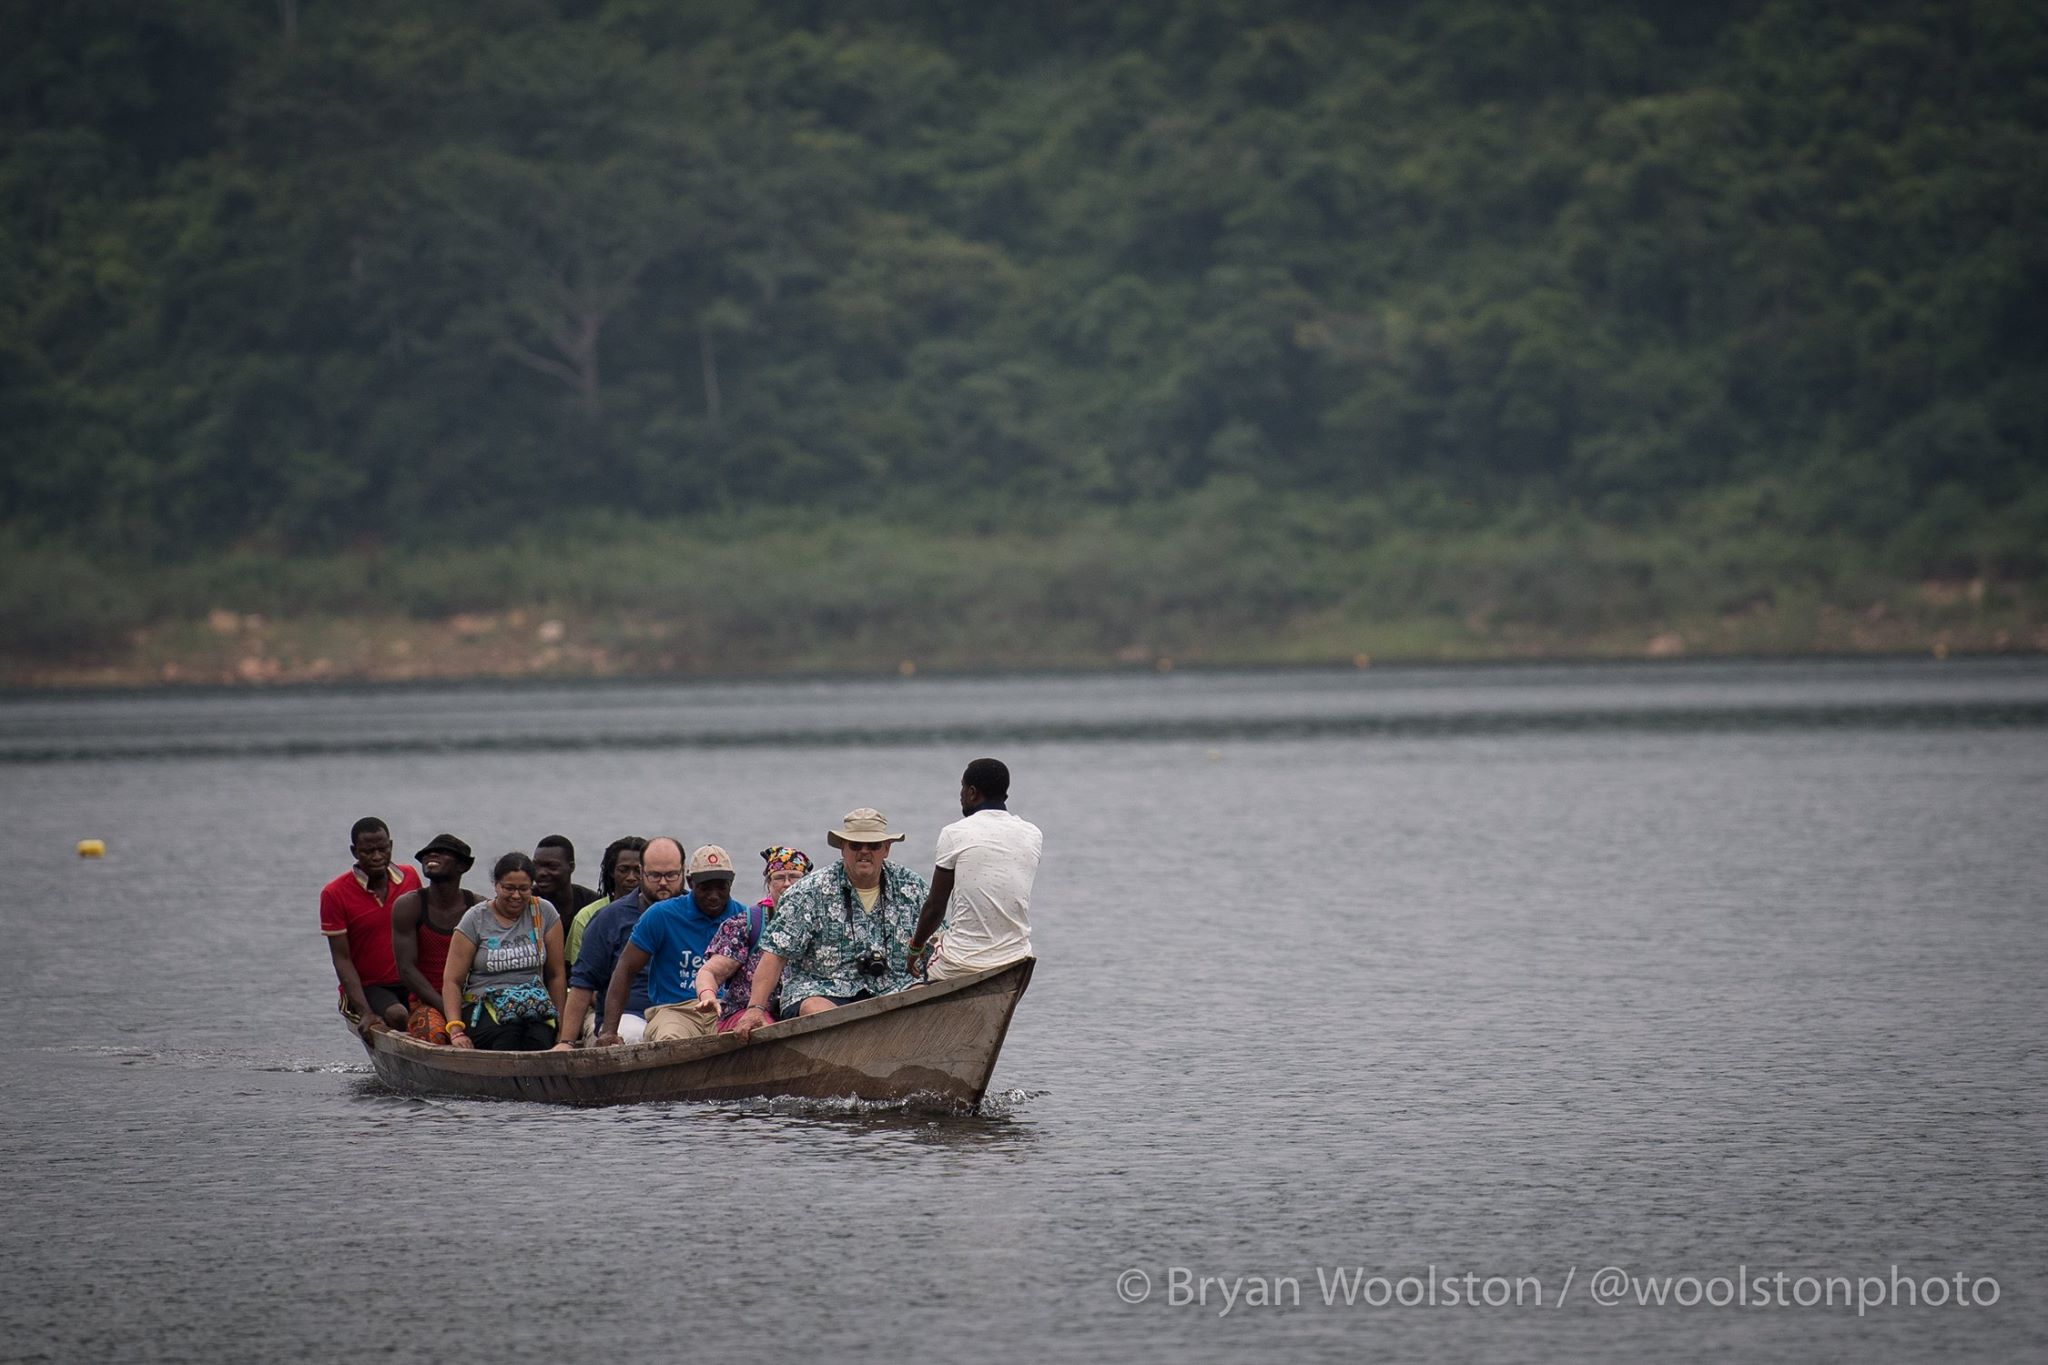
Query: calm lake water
[(1704, 970)]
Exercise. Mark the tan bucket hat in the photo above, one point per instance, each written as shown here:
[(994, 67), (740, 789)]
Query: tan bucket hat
[(709, 861), (865, 825)]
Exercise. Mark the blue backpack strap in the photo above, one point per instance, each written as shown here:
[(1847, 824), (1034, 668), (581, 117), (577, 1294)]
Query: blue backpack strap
[(755, 918)]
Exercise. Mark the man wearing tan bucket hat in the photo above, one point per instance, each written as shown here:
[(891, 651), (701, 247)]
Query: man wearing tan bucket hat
[(843, 933)]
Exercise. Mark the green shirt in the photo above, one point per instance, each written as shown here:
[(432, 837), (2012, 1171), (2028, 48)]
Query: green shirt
[(572, 942)]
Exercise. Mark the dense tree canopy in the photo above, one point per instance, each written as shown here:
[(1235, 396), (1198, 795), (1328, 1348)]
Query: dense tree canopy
[(286, 273)]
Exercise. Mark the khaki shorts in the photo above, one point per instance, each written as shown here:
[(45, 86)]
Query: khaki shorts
[(671, 1023)]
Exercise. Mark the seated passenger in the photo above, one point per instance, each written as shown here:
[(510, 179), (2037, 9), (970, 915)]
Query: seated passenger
[(422, 924), (618, 874), (505, 966), (727, 976), (669, 941), (554, 879), (658, 874), (981, 884), (843, 933), (355, 917)]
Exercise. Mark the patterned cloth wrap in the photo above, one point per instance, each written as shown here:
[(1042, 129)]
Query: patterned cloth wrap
[(779, 857), (505, 1004), (425, 1023)]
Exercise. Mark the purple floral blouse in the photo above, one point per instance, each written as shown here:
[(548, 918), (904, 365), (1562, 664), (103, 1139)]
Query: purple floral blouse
[(731, 941)]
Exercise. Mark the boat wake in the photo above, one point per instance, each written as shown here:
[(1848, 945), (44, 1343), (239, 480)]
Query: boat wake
[(927, 1117), (1003, 1104), (214, 1059)]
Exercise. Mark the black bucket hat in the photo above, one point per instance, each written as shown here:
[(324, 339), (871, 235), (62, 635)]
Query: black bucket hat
[(447, 843)]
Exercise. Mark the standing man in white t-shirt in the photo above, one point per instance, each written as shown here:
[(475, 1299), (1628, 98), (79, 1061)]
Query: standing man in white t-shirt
[(981, 888)]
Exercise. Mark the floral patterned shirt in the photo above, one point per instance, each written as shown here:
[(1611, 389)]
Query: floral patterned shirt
[(731, 941), (820, 932)]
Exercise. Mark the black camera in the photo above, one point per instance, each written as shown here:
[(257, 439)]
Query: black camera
[(873, 962)]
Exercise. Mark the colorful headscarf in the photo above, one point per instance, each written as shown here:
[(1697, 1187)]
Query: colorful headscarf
[(779, 858)]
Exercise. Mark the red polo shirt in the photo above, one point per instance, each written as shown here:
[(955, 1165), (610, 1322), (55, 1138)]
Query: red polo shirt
[(347, 909)]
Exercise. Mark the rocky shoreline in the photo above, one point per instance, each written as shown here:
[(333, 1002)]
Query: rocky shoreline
[(233, 649)]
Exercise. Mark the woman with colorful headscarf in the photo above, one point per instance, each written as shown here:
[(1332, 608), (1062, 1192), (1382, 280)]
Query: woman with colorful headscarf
[(735, 950)]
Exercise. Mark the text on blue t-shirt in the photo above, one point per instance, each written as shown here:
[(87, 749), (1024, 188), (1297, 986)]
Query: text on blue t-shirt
[(674, 935)]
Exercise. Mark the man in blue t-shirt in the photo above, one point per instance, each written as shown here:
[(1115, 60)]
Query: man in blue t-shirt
[(669, 941)]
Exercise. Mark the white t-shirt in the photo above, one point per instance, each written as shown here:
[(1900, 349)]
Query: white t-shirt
[(994, 857)]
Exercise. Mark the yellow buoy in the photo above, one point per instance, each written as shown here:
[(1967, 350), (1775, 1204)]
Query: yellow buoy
[(92, 848)]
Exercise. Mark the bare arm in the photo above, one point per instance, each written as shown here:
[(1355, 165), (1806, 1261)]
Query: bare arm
[(573, 1015), (716, 971), (767, 977), (631, 959), (557, 973), (461, 957), (406, 912), (351, 984), (929, 918)]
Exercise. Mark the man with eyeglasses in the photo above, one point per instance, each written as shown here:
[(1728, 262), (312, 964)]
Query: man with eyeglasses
[(661, 876), (843, 933)]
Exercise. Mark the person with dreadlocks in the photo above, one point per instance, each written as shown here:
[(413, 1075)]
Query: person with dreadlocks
[(618, 876)]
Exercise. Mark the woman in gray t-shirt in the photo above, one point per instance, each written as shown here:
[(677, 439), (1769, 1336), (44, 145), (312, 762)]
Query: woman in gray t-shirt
[(505, 966)]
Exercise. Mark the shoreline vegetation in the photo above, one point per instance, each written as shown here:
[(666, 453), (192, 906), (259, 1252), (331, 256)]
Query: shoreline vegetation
[(380, 341), (1231, 576)]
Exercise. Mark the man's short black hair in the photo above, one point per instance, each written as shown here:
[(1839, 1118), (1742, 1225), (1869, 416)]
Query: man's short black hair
[(560, 841), (369, 824), (989, 777)]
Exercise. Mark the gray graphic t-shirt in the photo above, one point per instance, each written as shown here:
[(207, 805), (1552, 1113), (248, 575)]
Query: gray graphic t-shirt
[(507, 957)]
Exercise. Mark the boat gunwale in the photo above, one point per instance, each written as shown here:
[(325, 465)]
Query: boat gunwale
[(625, 1058)]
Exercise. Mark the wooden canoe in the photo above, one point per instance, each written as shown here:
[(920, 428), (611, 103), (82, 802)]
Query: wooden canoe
[(933, 1044)]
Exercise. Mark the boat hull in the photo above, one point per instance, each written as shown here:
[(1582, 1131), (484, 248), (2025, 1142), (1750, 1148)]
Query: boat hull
[(936, 1043)]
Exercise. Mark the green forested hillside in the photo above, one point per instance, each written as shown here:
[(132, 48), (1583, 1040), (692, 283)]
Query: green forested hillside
[(308, 276)]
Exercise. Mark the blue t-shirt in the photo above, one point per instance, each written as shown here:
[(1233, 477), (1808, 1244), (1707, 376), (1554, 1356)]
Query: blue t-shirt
[(604, 938), (675, 936)]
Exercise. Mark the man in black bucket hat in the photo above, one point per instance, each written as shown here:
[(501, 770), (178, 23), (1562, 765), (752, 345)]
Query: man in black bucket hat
[(422, 922)]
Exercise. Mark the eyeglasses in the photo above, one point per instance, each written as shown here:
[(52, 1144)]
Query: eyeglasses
[(674, 876)]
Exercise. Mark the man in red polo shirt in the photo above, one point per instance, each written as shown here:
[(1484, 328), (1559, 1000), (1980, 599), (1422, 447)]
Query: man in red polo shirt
[(355, 915)]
